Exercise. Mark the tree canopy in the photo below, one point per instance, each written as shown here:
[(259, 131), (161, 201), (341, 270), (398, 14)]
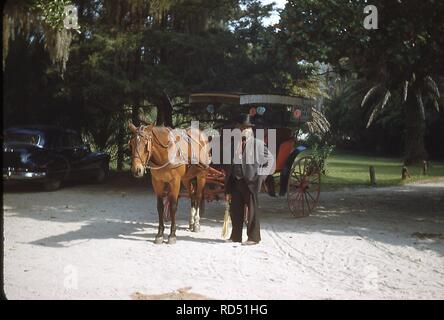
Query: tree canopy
[(144, 57), (138, 57), (401, 59)]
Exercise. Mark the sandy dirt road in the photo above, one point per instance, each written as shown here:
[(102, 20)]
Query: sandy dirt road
[(96, 241)]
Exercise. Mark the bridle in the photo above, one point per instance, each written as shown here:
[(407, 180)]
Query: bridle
[(148, 138)]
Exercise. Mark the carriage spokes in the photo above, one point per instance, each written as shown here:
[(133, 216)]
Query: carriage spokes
[(304, 186)]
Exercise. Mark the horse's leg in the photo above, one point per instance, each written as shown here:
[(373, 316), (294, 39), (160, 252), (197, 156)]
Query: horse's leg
[(173, 196), (160, 209), (200, 185), (188, 186), (158, 189)]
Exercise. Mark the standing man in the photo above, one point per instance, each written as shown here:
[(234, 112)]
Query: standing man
[(251, 164)]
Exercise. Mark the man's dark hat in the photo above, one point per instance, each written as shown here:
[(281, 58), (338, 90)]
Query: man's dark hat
[(244, 120)]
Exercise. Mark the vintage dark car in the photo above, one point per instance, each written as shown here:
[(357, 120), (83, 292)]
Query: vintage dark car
[(50, 155)]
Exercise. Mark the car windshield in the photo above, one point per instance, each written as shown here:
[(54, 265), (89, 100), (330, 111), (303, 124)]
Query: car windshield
[(21, 137)]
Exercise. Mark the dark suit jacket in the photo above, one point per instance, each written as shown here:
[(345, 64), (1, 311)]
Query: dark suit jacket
[(253, 173)]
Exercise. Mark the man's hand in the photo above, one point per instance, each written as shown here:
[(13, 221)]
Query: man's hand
[(228, 197)]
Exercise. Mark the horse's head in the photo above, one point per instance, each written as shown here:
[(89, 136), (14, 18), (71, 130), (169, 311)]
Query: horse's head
[(140, 146)]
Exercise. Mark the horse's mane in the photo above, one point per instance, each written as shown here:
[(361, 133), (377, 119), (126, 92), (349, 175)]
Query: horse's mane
[(161, 134)]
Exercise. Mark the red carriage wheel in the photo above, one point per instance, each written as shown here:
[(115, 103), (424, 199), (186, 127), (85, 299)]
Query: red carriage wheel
[(304, 186)]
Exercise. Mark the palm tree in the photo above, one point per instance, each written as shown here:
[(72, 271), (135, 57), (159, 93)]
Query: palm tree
[(415, 92)]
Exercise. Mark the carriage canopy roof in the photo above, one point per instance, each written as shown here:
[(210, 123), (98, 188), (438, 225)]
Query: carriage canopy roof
[(245, 99), (288, 104)]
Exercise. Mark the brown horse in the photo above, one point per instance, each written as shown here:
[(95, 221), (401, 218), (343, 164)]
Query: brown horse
[(153, 147)]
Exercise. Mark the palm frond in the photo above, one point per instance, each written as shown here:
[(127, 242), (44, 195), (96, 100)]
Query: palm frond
[(319, 123), (372, 117), (434, 100), (386, 98), (310, 127), (322, 120), (406, 90), (369, 93), (420, 104), (375, 111), (378, 107), (432, 85), (436, 105)]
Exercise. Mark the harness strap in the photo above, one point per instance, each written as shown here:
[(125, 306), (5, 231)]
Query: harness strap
[(150, 165), (160, 142)]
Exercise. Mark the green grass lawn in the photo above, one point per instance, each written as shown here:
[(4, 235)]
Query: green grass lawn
[(350, 170), (347, 170)]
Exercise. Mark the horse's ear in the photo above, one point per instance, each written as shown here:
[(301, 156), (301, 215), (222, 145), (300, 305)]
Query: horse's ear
[(132, 127)]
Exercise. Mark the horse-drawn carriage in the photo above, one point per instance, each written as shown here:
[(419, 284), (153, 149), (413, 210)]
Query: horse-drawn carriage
[(299, 177), (152, 146)]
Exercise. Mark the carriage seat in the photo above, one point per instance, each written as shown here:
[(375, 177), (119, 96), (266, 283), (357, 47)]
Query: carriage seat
[(285, 149)]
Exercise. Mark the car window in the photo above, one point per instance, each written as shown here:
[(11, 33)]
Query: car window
[(26, 138)]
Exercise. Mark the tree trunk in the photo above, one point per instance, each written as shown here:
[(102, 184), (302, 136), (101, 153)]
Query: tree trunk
[(120, 144), (415, 152), (135, 115), (135, 108), (164, 113), (160, 114), (168, 121), (164, 110)]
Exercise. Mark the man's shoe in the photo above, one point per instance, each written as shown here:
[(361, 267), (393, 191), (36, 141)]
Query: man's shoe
[(250, 243), (231, 241)]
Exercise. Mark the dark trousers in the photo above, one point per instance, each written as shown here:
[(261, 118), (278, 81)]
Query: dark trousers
[(240, 197)]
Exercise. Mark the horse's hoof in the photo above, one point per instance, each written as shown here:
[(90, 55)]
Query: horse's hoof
[(171, 240), (196, 228), (191, 227), (158, 240)]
